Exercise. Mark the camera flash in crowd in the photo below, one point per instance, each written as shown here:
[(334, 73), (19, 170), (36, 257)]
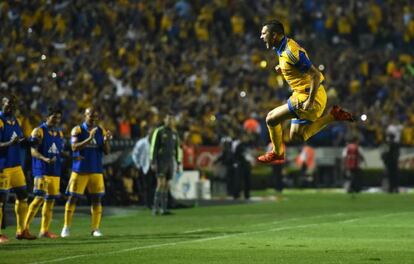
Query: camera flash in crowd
[(321, 67), (363, 117)]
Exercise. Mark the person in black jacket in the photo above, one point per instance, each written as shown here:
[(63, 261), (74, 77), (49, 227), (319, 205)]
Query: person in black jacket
[(242, 168), (165, 159), (390, 158), (226, 159)]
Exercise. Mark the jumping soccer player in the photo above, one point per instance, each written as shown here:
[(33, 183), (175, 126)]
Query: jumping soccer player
[(89, 143), (308, 101), (47, 145), (13, 178)]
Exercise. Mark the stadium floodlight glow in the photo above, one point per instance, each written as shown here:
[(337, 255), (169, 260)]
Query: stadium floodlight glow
[(321, 67), (242, 94), (43, 57), (364, 117)]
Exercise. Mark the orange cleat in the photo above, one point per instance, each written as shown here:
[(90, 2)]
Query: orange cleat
[(48, 235), (271, 158), (3, 239), (25, 235), (341, 115)]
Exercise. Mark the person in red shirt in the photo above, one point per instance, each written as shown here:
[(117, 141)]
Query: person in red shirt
[(353, 156)]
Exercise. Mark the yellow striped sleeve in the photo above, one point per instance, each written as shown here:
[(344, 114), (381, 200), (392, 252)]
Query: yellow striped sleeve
[(37, 133), (75, 131)]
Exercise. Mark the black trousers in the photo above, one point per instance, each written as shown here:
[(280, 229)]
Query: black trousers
[(393, 179), (147, 184), (355, 180), (242, 177)]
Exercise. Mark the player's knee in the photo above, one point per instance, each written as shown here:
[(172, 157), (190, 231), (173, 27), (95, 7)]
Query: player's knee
[(271, 120)]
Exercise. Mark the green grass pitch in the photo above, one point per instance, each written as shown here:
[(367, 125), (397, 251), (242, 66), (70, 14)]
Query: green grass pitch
[(302, 228)]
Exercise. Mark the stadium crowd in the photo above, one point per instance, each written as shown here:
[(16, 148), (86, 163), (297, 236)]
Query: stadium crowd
[(204, 60)]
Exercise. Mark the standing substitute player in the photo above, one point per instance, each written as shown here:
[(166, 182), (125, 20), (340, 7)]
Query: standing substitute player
[(308, 101), (89, 143), (47, 145), (165, 159), (12, 177)]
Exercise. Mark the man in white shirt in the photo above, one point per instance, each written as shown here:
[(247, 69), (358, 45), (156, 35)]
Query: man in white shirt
[(141, 157)]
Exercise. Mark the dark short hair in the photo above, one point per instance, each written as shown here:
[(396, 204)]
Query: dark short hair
[(275, 26), (54, 110)]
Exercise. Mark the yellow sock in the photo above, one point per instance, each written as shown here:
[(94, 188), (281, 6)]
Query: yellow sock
[(1, 215), (47, 212), (69, 211), (33, 208), (316, 126), (96, 212), (276, 137), (20, 209)]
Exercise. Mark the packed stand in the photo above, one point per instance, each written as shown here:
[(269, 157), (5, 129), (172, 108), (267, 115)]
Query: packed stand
[(204, 60)]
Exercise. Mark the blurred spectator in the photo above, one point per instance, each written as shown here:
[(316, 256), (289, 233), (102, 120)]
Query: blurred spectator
[(226, 159), (390, 157), (242, 167), (306, 162), (189, 152), (394, 129), (353, 156), (141, 157)]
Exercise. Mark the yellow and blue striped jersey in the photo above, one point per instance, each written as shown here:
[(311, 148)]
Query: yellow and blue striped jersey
[(295, 64), (9, 127)]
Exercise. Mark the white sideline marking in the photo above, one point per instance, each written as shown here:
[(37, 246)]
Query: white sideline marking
[(216, 237)]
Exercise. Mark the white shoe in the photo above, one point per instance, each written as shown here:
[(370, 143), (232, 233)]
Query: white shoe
[(65, 232), (97, 233)]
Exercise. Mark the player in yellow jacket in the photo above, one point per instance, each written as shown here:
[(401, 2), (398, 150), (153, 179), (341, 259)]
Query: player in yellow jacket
[(307, 103)]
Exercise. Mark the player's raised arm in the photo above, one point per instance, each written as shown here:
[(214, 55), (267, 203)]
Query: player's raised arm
[(35, 140), (13, 140), (74, 138)]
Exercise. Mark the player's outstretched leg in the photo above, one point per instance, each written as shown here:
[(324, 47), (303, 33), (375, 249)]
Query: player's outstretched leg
[(47, 213), (336, 114), (274, 120), (33, 209), (21, 209), (341, 115)]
